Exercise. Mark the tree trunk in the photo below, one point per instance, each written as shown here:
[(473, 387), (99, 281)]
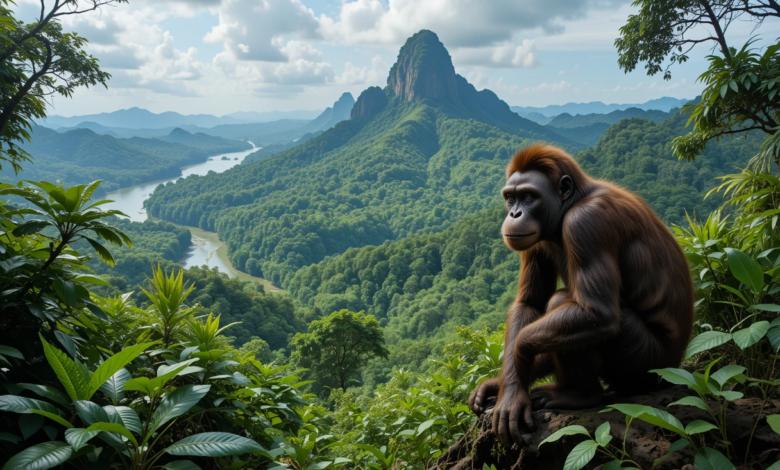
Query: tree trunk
[(644, 442)]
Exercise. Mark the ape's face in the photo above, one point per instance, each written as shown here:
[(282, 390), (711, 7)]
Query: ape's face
[(534, 208)]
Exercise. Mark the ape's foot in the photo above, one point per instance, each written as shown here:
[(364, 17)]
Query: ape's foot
[(550, 396)]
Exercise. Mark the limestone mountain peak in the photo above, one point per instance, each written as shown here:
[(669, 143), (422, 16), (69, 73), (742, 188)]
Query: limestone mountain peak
[(424, 70)]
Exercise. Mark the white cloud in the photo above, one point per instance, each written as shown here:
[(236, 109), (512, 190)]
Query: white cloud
[(355, 75), (253, 30), (459, 23), (505, 54)]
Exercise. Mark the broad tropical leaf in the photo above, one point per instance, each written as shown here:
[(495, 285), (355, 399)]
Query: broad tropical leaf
[(745, 269), (113, 365), (706, 341), (114, 387), (78, 437), (69, 373), (567, 431), (581, 455), (751, 335), (214, 444), (177, 403), (40, 457)]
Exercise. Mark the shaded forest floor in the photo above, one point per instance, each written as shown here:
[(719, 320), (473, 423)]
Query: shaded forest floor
[(644, 442)]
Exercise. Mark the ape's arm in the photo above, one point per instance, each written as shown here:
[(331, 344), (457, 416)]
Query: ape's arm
[(593, 312), (538, 279)]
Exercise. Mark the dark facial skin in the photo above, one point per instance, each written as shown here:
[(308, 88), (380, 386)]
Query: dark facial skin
[(535, 208)]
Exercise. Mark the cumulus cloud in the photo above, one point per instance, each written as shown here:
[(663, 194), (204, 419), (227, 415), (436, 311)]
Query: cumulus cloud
[(459, 23), (355, 75), (253, 30), (505, 54)]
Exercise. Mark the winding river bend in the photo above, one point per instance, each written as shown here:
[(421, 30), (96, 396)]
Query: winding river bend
[(206, 246)]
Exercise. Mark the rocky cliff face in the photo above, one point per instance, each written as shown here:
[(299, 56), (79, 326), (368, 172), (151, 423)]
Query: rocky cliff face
[(424, 70), (370, 103)]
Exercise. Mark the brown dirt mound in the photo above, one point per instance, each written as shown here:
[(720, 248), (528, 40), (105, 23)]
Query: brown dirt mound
[(644, 443)]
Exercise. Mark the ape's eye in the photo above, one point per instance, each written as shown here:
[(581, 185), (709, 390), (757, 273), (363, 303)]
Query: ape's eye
[(510, 198), (528, 198)]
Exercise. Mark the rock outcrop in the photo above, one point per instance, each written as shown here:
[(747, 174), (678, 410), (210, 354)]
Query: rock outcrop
[(370, 103), (644, 442), (424, 70)]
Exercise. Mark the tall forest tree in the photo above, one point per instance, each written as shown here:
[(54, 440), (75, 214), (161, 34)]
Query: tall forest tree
[(338, 346)]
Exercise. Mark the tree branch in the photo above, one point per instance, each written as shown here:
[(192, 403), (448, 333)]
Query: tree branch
[(8, 110)]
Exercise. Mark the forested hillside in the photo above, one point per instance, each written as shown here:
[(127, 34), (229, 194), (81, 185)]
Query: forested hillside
[(423, 153), (82, 156), (420, 288)]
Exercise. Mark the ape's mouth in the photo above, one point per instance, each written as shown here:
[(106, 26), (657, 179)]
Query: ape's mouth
[(518, 235)]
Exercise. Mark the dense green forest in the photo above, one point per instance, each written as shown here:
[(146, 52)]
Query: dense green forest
[(82, 156)]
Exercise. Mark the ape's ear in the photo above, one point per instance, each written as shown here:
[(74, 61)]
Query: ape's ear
[(566, 187)]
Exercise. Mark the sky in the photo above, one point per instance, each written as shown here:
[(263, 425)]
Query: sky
[(223, 56)]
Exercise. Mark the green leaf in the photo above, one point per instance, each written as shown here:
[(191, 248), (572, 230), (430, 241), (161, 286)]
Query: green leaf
[(774, 466), (676, 376), (751, 335), (424, 426), (706, 341), (567, 431), (45, 391), (763, 307), (125, 416), (114, 387), (745, 269), (153, 386), (699, 426), (724, 374), (40, 457), (24, 405), (114, 428), (69, 374), (613, 465), (78, 437), (181, 465), (581, 455), (773, 335), (12, 352), (214, 444), (53, 417), (113, 365), (710, 459), (774, 422), (602, 434), (651, 415), (90, 412), (177, 403), (692, 401)]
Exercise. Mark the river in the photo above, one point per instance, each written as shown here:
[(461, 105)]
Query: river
[(206, 246)]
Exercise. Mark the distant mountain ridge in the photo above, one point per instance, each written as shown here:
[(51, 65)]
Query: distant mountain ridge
[(139, 118), (597, 107)]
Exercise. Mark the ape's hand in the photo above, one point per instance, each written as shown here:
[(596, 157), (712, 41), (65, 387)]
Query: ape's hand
[(512, 417), (478, 401)]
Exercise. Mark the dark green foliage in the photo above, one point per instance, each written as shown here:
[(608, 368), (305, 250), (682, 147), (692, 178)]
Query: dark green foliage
[(566, 120), (637, 154), (80, 156), (586, 135), (338, 346), (420, 288), (271, 317), (154, 243), (414, 168)]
